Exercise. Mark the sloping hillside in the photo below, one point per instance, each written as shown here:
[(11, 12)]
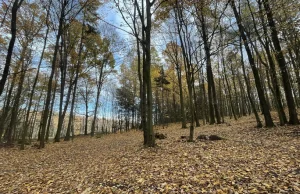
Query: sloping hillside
[(247, 160)]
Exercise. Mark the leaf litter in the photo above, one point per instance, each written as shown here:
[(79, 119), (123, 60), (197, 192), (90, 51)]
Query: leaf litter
[(247, 160)]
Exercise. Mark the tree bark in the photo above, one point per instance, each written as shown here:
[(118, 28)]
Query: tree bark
[(48, 98), (262, 99), (15, 108), (67, 137), (99, 86), (25, 131), (188, 68), (182, 109), (147, 64), (13, 29), (293, 118)]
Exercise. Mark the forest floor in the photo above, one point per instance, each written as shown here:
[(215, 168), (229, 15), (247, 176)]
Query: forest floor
[(248, 160)]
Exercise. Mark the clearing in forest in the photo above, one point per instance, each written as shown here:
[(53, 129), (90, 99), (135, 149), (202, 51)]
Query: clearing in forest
[(248, 160)]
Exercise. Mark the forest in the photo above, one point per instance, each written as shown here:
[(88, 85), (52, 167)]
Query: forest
[(149, 96)]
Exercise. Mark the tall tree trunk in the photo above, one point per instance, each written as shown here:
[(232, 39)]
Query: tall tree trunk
[(48, 98), (227, 83), (25, 131), (243, 96), (293, 118), (33, 119), (63, 71), (51, 112), (188, 69), (236, 98), (13, 29), (182, 109), (220, 92), (9, 98), (229, 93), (195, 100), (204, 97), (67, 137), (212, 97), (99, 86), (262, 99), (266, 45), (248, 89), (147, 64), (86, 115), (71, 116), (297, 72), (15, 108), (14, 111), (142, 92)]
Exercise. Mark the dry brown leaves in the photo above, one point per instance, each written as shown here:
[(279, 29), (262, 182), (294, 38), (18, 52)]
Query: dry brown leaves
[(249, 160)]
